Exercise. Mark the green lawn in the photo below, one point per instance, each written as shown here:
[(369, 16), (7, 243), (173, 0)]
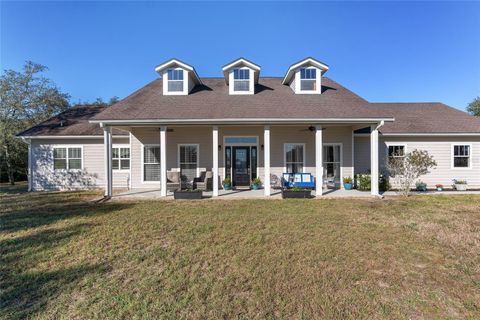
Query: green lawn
[(65, 256)]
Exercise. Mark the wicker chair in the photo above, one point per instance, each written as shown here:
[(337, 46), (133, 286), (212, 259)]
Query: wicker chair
[(173, 180), (204, 182), (275, 182)]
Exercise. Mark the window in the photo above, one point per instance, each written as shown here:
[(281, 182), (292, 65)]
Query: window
[(188, 161), (175, 80), (461, 156), (332, 164), (396, 151), (67, 158), (294, 157), (241, 80), (151, 163), (120, 158), (308, 79)]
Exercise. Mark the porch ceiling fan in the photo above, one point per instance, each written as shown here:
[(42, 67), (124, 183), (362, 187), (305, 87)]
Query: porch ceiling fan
[(310, 128)]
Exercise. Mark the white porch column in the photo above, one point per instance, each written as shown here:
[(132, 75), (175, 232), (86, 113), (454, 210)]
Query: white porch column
[(107, 144), (163, 161), (266, 164), (215, 160), (30, 171), (374, 159), (318, 161)]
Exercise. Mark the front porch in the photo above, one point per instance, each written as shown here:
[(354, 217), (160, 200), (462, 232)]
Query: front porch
[(241, 154), (235, 194)]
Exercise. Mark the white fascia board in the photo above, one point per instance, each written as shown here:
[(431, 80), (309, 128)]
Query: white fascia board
[(456, 134), (241, 61), (291, 70), (70, 137), (246, 121)]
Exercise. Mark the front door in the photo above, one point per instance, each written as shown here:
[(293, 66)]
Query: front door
[(241, 166)]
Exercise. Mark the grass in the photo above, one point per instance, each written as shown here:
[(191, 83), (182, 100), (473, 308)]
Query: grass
[(65, 256)]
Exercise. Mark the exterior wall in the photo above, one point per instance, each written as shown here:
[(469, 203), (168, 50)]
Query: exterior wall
[(92, 174), (203, 137), (439, 147)]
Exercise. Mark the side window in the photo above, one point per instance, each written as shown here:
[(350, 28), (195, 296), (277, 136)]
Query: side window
[(396, 151), (175, 80), (461, 156), (308, 79), (241, 80), (67, 158), (121, 158), (151, 163)]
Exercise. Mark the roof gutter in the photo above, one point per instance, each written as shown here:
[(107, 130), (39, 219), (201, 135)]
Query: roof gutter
[(245, 121)]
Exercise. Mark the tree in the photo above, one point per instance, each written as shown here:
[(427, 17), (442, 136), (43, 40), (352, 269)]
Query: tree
[(407, 169), (474, 107), (26, 98), (99, 102)]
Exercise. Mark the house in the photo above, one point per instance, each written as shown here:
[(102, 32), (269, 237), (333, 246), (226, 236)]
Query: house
[(243, 125)]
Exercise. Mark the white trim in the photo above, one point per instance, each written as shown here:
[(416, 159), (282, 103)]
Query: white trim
[(183, 65), (215, 160), (198, 156), (118, 146), (241, 60), (318, 64), (285, 154), (425, 134), (131, 164), (163, 161), (318, 161), (143, 163), (340, 144), (240, 144), (470, 155), (246, 121), (67, 146), (266, 161), (353, 155)]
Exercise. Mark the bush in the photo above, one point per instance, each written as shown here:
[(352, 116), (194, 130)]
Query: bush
[(364, 182)]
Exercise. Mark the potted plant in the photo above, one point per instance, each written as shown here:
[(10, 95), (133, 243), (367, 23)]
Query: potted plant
[(421, 186), (460, 185), (348, 183), (296, 192), (227, 183), (188, 194), (439, 187), (256, 183)]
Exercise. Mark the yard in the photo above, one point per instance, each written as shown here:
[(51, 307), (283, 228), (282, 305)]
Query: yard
[(63, 255)]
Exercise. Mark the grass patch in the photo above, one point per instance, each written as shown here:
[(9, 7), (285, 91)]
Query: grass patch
[(65, 256)]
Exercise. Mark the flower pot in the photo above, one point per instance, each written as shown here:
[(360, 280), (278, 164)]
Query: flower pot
[(227, 187), (188, 195), (348, 186), (439, 188), (461, 187), (255, 186), (303, 194)]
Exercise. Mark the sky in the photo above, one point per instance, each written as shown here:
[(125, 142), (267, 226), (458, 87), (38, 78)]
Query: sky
[(383, 51)]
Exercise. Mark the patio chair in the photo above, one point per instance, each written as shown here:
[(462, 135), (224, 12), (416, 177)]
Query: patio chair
[(275, 182), (173, 181), (204, 182)]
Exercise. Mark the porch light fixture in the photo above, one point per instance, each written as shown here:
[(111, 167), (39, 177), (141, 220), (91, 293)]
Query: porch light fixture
[(261, 147), (219, 147)]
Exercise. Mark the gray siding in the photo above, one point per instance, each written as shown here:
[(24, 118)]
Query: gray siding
[(92, 175), (439, 147)]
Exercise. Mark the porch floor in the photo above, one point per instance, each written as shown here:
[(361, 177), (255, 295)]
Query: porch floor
[(237, 194)]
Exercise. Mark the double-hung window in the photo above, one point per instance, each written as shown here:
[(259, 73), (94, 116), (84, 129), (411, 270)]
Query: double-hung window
[(151, 163), (188, 161), (396, 151), (462, 156), (308, 79), (241, 80), (294, 157), (67, 158), (120, 158), (175, 80)]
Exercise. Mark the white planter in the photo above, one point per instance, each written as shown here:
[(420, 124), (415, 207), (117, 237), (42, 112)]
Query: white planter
[(461, 187)]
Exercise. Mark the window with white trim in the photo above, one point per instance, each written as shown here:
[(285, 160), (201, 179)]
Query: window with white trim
[(121, 158), (151, 163), (308, 79), (67, 158), (188, 161), (241, 80), (461, 156), (294, 157), (175, 80), (396, 151)]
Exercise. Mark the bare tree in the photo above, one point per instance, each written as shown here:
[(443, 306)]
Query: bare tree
[(407, 169), (26, 98)]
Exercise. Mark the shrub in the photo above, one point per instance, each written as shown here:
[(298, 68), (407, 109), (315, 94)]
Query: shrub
[(257, 182), (364, 182)]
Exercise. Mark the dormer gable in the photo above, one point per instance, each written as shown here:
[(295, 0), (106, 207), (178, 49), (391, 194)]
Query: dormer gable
[(178, 77), (241, 76), (305, 76)]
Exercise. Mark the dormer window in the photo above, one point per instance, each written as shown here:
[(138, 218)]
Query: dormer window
[(175, 80), (241, 80), (308, 79)]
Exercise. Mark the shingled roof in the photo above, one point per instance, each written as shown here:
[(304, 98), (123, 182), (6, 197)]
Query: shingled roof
[(272, 100), (425, 118), (72, 122)]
